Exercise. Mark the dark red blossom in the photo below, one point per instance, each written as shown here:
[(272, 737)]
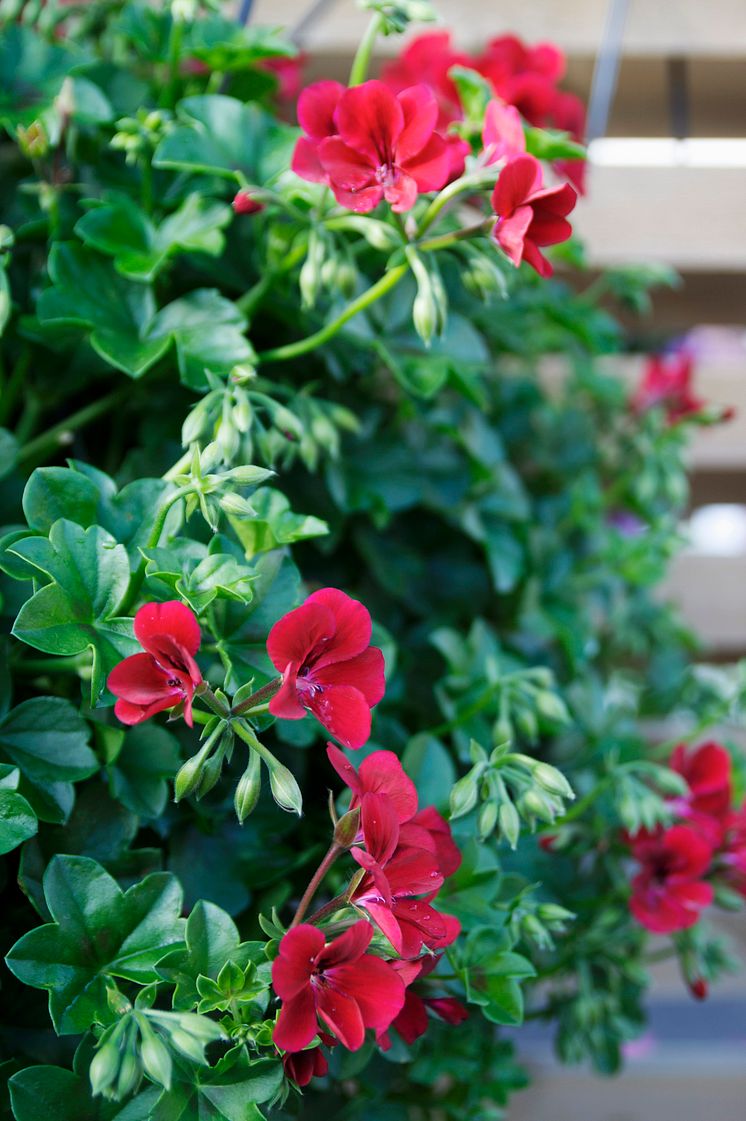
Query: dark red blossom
[(530, 215), (379, 773), (707, 772), (523, 76), (372, 145), (412, 1021), (167, 674), (302, 1066), (322, 649), (429, 830), (428, 58), (667, 382), (669, 893), (338, 982), (699, 988)]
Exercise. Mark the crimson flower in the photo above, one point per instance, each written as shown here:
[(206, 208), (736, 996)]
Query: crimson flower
[(322, 649), (427, 59), (530, 215), (379, 773), (288, 72), (707, 772), (429, 830), (337, 981), (316, 107), (732, 855), (667, 381), (302, 1066), (167, 674), (412, 1021), (669, 893), (523, 76), (378, 145)]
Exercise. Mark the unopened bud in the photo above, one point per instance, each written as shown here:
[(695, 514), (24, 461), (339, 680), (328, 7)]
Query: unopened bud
[(509, 823), (285, 789), (249, 788), (552, 780), (130, 1073), (189, 775), (553, 914), (104, 1065), (236, 505), (486, 820), (244, 203), (552, 708), (247, 475), (156, 1058), (534, 804), (347, 828), (699, 988), (464, 793)]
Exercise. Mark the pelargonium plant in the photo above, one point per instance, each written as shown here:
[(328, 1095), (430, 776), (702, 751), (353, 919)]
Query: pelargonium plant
[(329, 741)]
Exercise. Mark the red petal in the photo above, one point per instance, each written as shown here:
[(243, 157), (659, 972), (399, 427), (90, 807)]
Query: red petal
[(348, 947), (172, 618), (446, 849), (140, 680), (296, 635), (449, 1009), (411, 1022), (401, 194), (386, 922), (341, 1014), (382, 773), (296, 1026), (518, 179), (364, 672), (135, 714), (380, 825), (510, 233), (345, 167), (292, 968), (360, 202), (420, 112), (344, 712), (370, 119), (536, 259), (286, 702), (353, 627), (413, 872), (305, 161), (316, 106), (502, 134), (376, 987), (344, 769)]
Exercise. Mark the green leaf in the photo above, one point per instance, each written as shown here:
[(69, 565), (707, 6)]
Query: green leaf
[(18, 821), (122, 230), (550, 144), (145, 763), (208, 333), (88, 497), (49, 1091), (77, 611), (199, 576), (212, 939), (99, 930), (33, 71), (275, 524), (87, 292), (222, 135), (431, 768)]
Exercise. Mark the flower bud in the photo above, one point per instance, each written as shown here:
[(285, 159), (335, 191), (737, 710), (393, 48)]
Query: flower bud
[(486, 819), (236, 505), (464, 793), (699, 988), (552, 780), (242, 412), (425, 313), (189, 775), (104, 1065), (243, 203), (553, 914), (535, 931), (247, 475), (552, 708), (155, 1057), (210, 774), (509, 823), (130, 1073), (33, 141), (534, 804), (347, 828), (249, 788), (285, 789)]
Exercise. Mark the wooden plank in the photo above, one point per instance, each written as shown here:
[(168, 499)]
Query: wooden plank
[(690, 217), (681, 28)]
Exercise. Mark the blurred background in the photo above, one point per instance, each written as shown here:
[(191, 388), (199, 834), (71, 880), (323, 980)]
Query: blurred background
[(666, 83)]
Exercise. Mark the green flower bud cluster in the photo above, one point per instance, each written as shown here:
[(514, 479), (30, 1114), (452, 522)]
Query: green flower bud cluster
[(140, 135)]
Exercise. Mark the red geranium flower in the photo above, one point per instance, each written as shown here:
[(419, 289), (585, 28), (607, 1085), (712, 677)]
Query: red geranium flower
[(316, 107), (379, 773), (288, 72), (502, 134), (669, 893), (167, 674), (412, 1021), (302, 1066), (337, 981), (667, 381), (322, 649), (530, 215), (386, 147), (427, 59), (429, 830), (707, 772), (524, 76)]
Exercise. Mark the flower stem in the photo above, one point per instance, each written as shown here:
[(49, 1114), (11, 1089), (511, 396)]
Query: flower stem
[(136, 580), (444, 240), (388, 281), (329, 908), (332, 854), (473, 182), (361, 61), (205, 693), (55, 436), (264, 694)]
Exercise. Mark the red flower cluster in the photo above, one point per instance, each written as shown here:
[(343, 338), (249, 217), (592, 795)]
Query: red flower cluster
[(167, 674), (322, 649), (369, 144), (405, 855), (667, 382), (521, 76), (707, 844)]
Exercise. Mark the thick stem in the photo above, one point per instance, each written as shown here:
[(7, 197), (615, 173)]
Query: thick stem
[(329, 908), (205, 693), (264, 694), (361, 61), (332, 854), (54, 436), (388, 281)]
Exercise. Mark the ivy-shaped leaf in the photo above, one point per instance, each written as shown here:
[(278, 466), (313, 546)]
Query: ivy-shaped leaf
[(199, 576), (140, 767), (121, 229), (46, 738), (48, 1091), (274, 523), (98, 931), (77, 611), (18, 821)]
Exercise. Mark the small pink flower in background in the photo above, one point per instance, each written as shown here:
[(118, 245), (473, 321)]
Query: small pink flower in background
[(667, 381), (167, 674), (373, 145), (428, 58), (707, 772), (243, 203), (530, 215), (338, 982), (523, 76), (288, 71), (322, 649), (502, 135), (669, 892)]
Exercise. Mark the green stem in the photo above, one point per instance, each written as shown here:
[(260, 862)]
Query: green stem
[(388, 281), (54, 436), (14, 386), (205, 693), (138, 576), (361, 61), (452, 191), (585, 803), (264, 694), (444, 240), (448, 726), (313, 886), (329, 908), (255, 295)]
